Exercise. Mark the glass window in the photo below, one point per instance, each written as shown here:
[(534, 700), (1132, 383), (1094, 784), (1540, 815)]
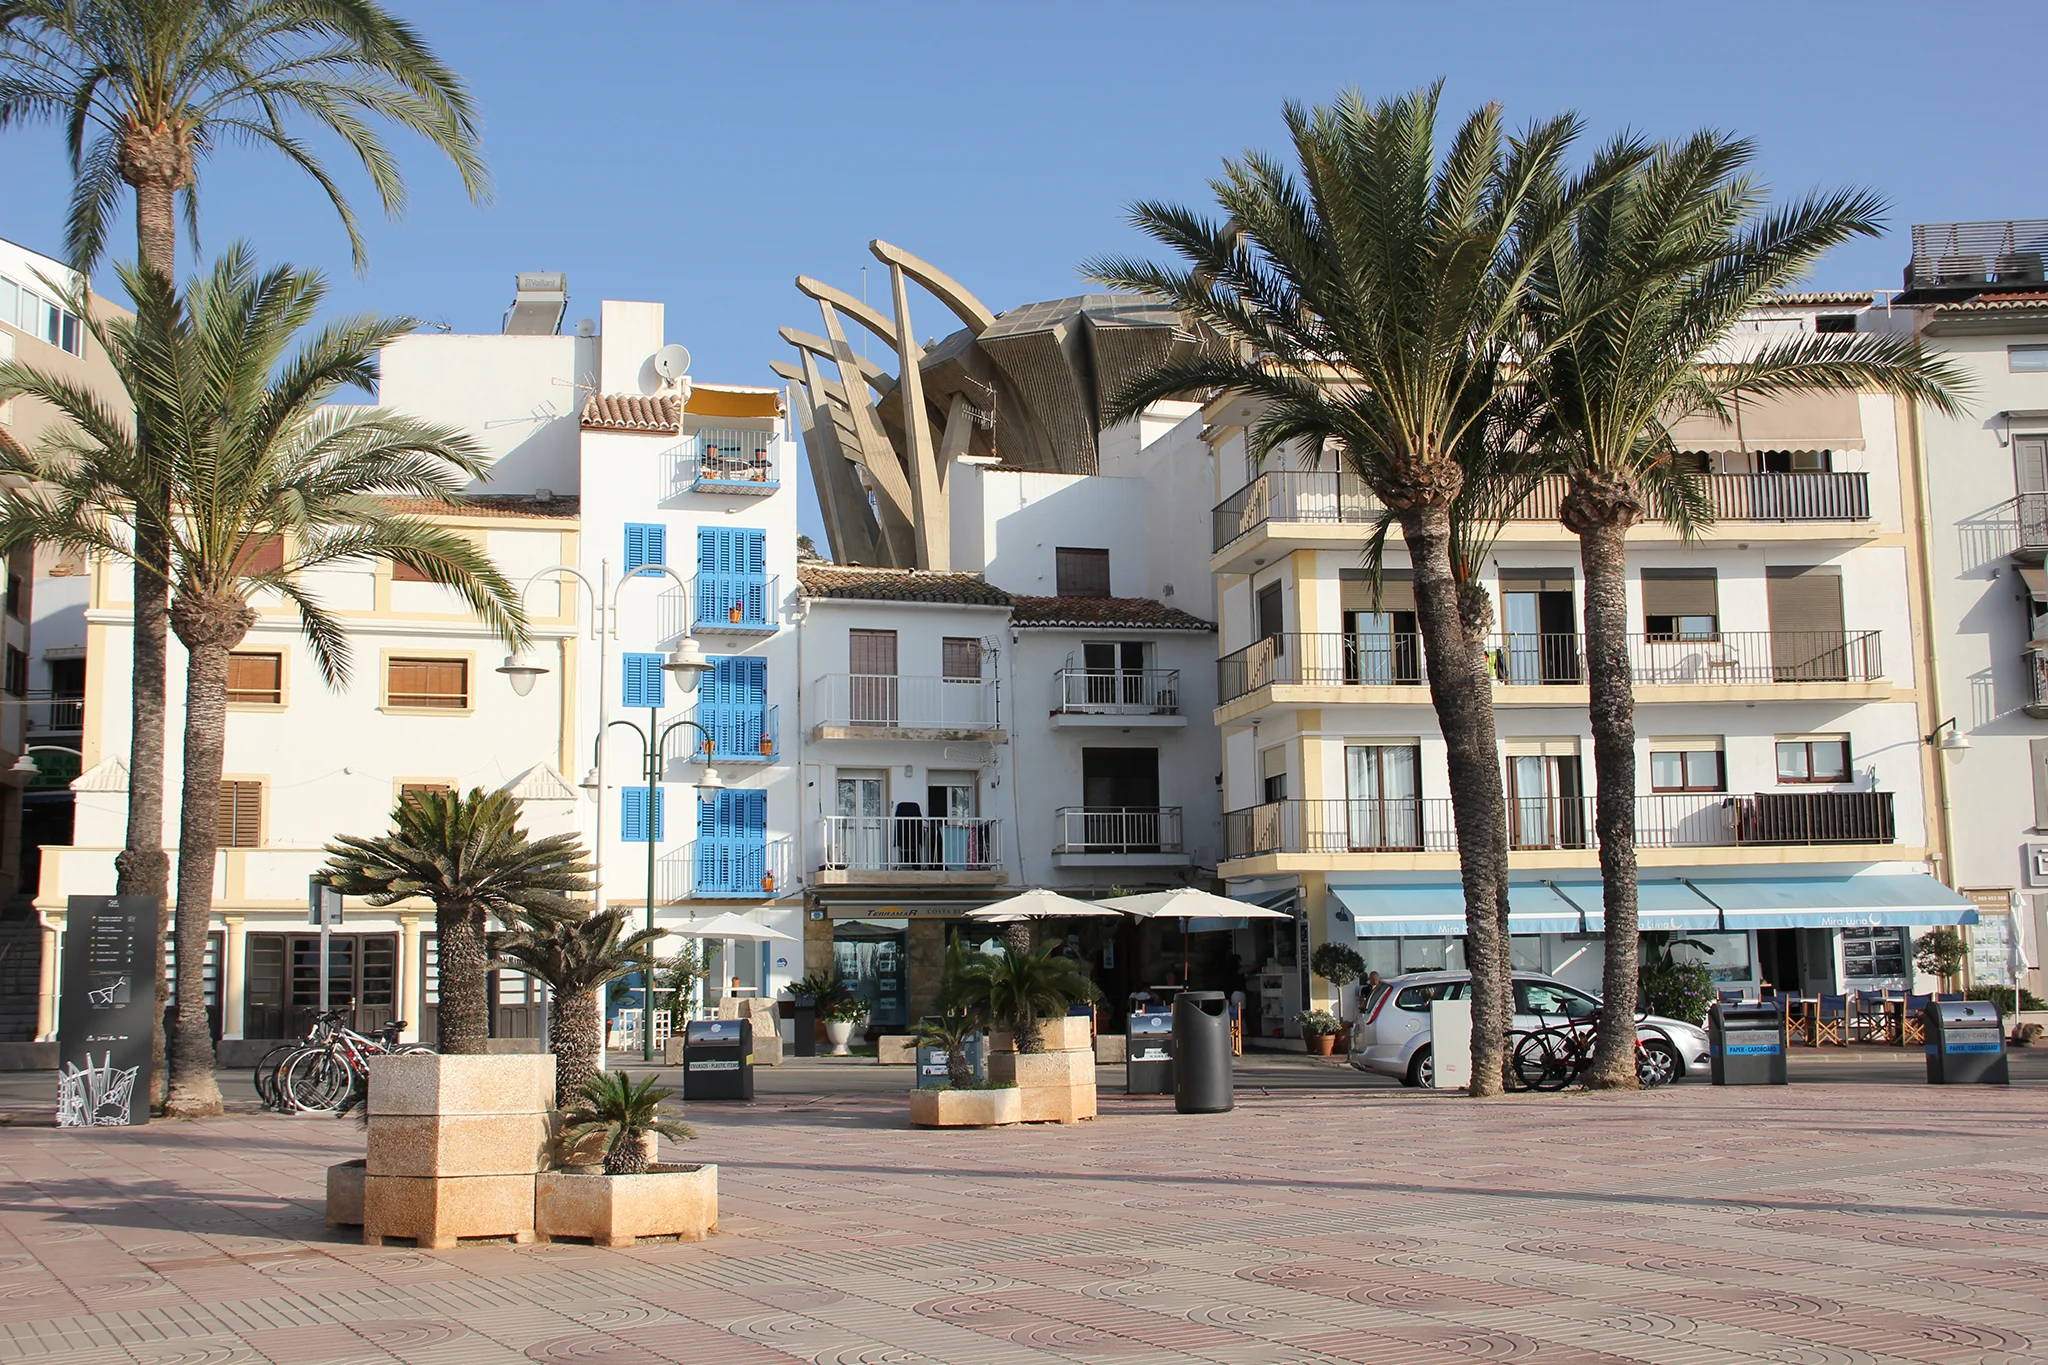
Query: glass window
[(872, 959), (1425, 954), (435, 684), (1725, 956), (2027, 359), (1080, 572), (1813, 760), (1550, 999), (1417, 999), (1686, 770), (256, 679)]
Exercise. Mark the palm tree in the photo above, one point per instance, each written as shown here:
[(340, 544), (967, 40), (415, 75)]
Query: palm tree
[(576, 957), (468, 855), (1367, 304), (1018, 990), (1632, 317), (145, 90), (623, 1112), (952, 1032)]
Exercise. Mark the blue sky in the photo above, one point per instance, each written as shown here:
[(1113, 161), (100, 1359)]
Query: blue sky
[(705, 155)]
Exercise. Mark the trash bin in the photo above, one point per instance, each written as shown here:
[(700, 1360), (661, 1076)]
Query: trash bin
[(1746, 1043), (718, 1059), (1201, 1053), (803, 1014), (1148, 1054), (931, 1062), (1965, 1043)]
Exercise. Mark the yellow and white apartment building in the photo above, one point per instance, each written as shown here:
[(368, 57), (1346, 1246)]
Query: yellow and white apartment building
[(1783, 759)]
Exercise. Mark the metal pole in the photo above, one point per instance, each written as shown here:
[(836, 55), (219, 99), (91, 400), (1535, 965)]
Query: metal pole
[(597, 614), (324, 932), (654, 739)]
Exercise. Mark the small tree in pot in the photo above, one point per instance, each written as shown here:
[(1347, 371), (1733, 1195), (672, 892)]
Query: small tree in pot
[(623, 1112), (1940, 953), (952, 1031), (1016, 990), (576, 958), (1338, 964), (1318, 1031)]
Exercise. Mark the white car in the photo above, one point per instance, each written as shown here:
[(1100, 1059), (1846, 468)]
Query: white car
[(1391, 1036)]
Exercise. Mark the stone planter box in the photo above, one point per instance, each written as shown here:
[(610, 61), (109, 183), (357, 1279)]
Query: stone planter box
[(896, 1049), (458, 1144), (454, 1145), (1110, 1049), (427, 1083), (615, 1210), (966, 1108), (1069, 1033), (438, 1211), (345, 1194), (1053, 1087)]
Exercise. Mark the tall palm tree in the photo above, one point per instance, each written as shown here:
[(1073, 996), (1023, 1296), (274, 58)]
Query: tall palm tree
[(145, 90), (265, 485), (468, 855), (1366, 302), (1632, 317), (576, 957)]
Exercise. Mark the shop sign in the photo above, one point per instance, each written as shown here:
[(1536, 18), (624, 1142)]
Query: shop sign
[(107, 1012)]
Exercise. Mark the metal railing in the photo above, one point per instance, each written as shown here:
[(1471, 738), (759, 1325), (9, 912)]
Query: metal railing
[(1320, 497), (2030, 521), (1726, 657), (890, 701), (1118, 829), (1325, 659), (741, 734), (1663, 820), (47, 712), (1116, 691), (739, 867), (2037, 678), (739, 604), (2005, 251), (910, 843), (725, 461)]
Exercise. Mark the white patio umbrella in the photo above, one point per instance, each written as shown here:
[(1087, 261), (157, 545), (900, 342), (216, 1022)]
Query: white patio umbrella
[(1039, 903), (725, 928), (1186, 903)]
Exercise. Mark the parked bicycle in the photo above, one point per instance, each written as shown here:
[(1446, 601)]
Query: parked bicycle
[(328, 1071), (1553, 1056)]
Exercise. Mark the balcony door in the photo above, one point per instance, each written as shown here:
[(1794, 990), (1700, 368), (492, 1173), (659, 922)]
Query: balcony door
[(862, 835), (954, 799), (1546, 801), (1539, 626), (872, 690), (1383, 790), (1807, 640), (1115, 672), (1120, 799), (1381, 645)]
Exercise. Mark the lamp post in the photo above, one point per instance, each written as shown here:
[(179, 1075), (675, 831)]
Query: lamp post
[(686, 663)]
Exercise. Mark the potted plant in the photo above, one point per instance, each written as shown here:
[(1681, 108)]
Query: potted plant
[(1340, 965), (1318, 1030), (1940, 953), (963, 1101), (576, 958), (627, 1194), (1023, 990), (819, 989), (840, 1014)]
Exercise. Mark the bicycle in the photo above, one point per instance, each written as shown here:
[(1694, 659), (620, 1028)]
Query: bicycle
[(330, 1076), (1553, 1056)]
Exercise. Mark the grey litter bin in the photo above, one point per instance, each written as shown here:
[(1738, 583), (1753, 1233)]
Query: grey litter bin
[(1965, 1043), (718, 1059), (931, 1062), (1201, 1053), (803, 1014), (1148, 1054), (1746, 1044)]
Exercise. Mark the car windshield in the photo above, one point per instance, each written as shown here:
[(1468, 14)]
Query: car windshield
[(1551, 998)]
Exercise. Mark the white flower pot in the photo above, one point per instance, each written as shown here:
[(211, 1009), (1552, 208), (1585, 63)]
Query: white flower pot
[(839, 1032)]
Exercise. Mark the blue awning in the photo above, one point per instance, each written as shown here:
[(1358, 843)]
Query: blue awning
[(1661, 905), (1875, 900), (1433, 909)]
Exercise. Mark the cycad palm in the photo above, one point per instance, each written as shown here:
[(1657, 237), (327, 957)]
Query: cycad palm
[(468, 855), (1019, 989), (1633, 313), (576, 957), (1367, 303)]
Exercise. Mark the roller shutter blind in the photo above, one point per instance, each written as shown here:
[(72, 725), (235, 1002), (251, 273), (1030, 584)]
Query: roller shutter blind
[(1680, 592), (1397, 590), (238, 818)]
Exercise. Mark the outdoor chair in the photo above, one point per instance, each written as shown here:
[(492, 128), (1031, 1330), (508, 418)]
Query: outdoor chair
[(1955, 999), (1729, 997), (1796, 1021), (1831, 1021), (1913, 1027), (1871, 1023)]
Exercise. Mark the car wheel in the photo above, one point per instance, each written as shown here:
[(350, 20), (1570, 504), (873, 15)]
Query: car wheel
[(1422, 1068), (1658, 1063)]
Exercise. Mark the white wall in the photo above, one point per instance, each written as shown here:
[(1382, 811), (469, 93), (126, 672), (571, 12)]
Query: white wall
[(516, 396)]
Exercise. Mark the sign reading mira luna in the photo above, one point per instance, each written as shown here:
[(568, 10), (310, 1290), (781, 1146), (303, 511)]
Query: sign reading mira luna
[(107, 1011)]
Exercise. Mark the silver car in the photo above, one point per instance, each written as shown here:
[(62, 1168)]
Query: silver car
[(1391, 1036)]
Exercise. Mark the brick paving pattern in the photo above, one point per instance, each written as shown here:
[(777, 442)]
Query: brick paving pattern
[(1878, 1222)]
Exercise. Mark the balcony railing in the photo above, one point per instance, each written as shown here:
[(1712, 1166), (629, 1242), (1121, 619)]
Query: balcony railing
[(1721, 659), (887, 701), (737, 867), (1116, 691), (2030, 521), (2037, 678), (910, 843), (722, 461), (2004, 252), (734, 604), (751, 734), (1673, 820), (1320, 497), (1321, 659), (50, 714), (1119, 829)]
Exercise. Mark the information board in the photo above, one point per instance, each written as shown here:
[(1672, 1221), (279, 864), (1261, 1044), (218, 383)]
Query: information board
[(107, 1011)]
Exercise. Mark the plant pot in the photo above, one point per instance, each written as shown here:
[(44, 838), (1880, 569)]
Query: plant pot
[(1344, 1039), (614, 1210), (1320, 1044), (966, 1108), (839, 1032)]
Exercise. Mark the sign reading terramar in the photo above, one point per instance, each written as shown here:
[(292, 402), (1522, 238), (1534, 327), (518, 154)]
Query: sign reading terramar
[(107, 1011)]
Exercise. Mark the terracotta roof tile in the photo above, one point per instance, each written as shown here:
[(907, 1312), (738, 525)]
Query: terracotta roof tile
[(507, 505), (1082, 613), (1846, 297), (1988, 303), (899, 585), (632, 412)]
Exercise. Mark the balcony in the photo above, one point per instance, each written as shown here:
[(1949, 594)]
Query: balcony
[(2037, 679), (1564, 823), (741, 734), (731, 867), (889, 706), (909, 850), (1118, 836), (2030, 527), (724, 461), (1122, 697), (1329, 659), (49, 714), (1960, 259), (734, 604)]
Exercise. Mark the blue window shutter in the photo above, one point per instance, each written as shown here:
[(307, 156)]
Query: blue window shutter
[(750, 841), (645, 684), (752, 551), (715, 711), (633, 815), (646, 543), (659, 834)]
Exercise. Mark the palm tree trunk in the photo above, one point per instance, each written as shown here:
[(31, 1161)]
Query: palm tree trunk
[(572, 1037), (1463, 698), (208, 628), (463, 1015), (1603, 552)]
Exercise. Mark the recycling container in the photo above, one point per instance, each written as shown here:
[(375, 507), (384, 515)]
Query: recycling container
[(1746, 1043), (1965, 1043), (1148, 1054), (718, 1059), (1201, 1053), (931, 1062), (803, 1015)]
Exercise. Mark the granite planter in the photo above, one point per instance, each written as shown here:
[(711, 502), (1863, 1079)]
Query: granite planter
[(994, 1108), (1052, 1087), (1068, 1033), (454, 1145), (678, 1201), (345, 1193)]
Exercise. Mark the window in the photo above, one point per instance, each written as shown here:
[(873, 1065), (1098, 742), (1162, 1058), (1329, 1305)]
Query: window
[(1813, 760), (1550, 1000), (732, 577), (14, 596), (633, 815), (406, 789), (1269, 619), (260, 555), (731, 853), (646, 543), (1081, 573), (1417, 999), (405, 573), (1383, 785), (16, 681), (2026, 359), (732, 703), (2030, 464), (1835, 322), (961, 659), (255, 679), (872, 690), (24, 308), (431, 684), (645, 684), (1273, 774), (1678, 767), (1680, 604), (238, 820)]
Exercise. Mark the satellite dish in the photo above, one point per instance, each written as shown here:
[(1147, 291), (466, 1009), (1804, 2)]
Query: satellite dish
[(672, 361)]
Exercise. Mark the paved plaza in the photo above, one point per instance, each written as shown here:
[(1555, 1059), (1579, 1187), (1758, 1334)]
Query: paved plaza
[(1328, 1218)]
